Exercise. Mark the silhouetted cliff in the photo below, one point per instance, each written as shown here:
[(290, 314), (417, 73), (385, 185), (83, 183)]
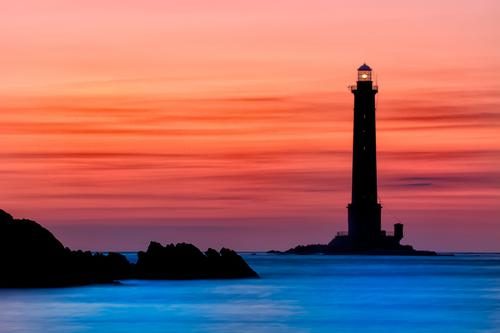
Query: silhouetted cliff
[(30, 256)]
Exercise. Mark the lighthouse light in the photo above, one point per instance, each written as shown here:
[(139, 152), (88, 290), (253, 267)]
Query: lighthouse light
[(364, 75)]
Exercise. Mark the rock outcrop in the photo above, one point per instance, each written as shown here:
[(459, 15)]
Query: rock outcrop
[(185, 261), (31, 256)]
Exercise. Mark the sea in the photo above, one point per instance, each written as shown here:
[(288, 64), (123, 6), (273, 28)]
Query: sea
[(334, 294)]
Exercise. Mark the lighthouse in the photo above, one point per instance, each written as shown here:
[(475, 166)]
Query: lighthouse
[(364, 211)]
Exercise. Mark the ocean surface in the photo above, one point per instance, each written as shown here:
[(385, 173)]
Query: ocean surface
[(331, 294)]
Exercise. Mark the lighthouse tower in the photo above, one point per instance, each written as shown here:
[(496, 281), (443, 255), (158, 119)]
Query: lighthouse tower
[(365, 234), (364, 211)]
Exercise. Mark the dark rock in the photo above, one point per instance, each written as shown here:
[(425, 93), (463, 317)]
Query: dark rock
[(275, 252), (341, 245), (30, 256), (185, 261), (380, 244)]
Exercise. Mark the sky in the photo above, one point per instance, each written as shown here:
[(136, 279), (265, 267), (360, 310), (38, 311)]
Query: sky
[(229, 122)]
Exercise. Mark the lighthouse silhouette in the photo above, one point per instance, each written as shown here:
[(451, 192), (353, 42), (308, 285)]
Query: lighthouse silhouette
[(364, 212)]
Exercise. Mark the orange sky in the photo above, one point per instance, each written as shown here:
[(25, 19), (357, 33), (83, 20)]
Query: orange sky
[(230, 123)]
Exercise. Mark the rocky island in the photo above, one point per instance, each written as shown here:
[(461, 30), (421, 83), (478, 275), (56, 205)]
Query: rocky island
[(31, 257)]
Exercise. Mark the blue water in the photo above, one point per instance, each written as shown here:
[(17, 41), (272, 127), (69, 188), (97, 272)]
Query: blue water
[(295, 294)]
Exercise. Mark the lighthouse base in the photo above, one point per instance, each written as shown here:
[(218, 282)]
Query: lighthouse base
[(346, 245)]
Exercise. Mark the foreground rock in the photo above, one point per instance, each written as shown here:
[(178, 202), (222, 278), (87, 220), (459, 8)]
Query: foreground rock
[(30, 256)]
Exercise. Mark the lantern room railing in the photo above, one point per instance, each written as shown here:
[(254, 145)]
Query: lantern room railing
[(355, 87)]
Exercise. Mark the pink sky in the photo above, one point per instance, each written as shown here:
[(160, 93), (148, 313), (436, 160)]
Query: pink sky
[(228, 123)]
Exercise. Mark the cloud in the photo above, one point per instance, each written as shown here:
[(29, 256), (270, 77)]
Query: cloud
[(445, 180), (439, 155), (436, 117)]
